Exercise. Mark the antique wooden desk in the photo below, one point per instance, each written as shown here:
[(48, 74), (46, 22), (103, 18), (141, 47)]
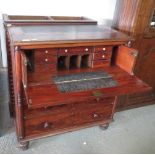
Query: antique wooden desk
[(67, 77)]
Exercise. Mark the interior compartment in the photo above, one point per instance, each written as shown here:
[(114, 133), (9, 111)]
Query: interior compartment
[(74, 62), (30, 60), (63, 62), (85, 61)]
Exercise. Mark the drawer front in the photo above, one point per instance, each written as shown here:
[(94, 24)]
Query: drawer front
[(101, 63), (47, 51), (47, 120), (103, 49), (75, 50), (53, 119), (45, 56), (41, 59), (102, 55), (93, 111)]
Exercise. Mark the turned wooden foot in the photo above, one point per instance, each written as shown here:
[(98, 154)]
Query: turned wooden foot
[(104, 126), (23, 145)]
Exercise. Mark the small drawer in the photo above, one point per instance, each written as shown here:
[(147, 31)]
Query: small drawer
[(45, 59), (101, 63), (45, 56), (102, 55), (103, 49), (75, 50), (47, 51)]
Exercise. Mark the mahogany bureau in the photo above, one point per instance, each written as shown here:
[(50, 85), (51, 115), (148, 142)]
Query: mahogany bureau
[(68, 77)]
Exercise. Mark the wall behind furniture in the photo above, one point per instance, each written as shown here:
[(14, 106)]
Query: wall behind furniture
[(100, 10)]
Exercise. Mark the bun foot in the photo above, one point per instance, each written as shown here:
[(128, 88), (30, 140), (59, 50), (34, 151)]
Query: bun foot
[(24, 145), (104, 126)]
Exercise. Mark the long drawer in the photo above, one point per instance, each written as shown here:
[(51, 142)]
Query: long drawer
[(53, 119), (75, 50)]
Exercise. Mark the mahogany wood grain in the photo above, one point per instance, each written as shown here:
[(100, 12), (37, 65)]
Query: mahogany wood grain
[(147, 64), (126, 58), (64, 116), (75, 50), (24, 69), (101, 63), (127, 84), (41, 109), (33, 35), (102, 55)]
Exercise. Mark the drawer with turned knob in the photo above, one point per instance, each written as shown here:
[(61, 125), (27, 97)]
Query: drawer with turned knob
[(103, 49), (47, 123), (102, 55), (51, 119), (75, 50), (102, 52), (42, 56), (93, 110)]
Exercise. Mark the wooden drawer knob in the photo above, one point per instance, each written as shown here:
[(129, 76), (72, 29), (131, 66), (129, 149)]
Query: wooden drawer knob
[(46, 60), (66, 50)]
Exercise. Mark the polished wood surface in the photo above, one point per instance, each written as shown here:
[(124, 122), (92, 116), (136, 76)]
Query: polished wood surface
[(40, 53), (39, 95), (126, 59), (67, 116), (34, 35)]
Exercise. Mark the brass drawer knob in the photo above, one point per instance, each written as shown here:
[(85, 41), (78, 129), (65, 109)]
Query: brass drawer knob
[(46, 51), (95, 115), (66, 50), (86, 49), (98, 95), (103, 56), (104, 49)]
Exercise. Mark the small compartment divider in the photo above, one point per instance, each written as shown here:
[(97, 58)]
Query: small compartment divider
[(74, 61)]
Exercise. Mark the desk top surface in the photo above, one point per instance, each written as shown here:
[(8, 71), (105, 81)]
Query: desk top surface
[(26, 35)]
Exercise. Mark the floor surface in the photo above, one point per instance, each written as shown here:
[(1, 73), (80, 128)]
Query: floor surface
[(133, 131)]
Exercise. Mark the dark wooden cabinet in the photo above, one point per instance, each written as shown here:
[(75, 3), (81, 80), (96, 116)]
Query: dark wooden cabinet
[(136, 18), (66, 77)]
